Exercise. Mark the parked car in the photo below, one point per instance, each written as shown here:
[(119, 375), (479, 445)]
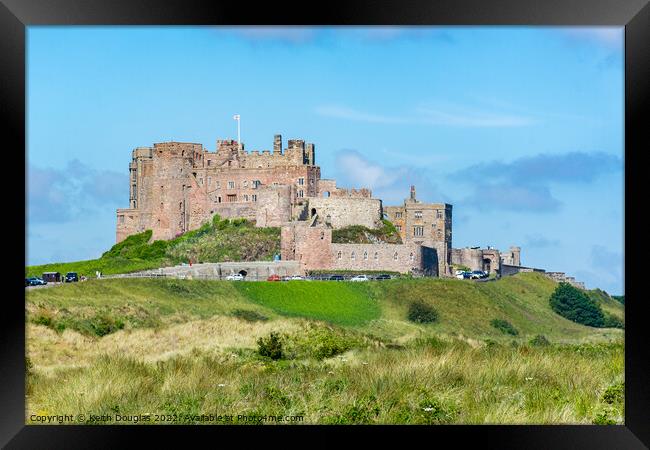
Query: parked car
[(71, 277), (34, 281), (477, 274), (273, 277), (360, 278), (336, 278), (383, 276), (296, 277), (235, 277)]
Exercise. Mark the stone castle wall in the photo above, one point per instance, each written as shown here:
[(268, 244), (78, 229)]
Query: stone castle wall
[(341, 212)]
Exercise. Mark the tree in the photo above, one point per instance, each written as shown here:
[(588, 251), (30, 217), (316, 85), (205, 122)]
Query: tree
[(573, 304)]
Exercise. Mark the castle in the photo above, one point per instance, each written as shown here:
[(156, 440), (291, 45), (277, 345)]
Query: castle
[(176, 187)]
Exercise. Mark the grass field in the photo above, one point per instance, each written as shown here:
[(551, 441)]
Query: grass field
[(189, 347)]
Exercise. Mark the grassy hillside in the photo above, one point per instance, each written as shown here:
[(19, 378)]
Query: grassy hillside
[(216, 241), (188, 347)]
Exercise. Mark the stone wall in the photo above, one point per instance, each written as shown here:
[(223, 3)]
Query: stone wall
[(343, 211), (274, 206), (389, 257)]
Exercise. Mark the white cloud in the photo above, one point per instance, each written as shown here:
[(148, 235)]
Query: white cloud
[(611, 37), (448, 116)]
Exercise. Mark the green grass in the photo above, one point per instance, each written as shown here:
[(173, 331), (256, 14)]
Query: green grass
[(359, 234), (216, 241), (341, 303), (350, 355)]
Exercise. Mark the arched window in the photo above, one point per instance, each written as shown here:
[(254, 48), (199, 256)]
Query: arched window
[(365, 255), (338, 255)]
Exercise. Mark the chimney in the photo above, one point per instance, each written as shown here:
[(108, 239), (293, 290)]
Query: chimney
[(412, 192)]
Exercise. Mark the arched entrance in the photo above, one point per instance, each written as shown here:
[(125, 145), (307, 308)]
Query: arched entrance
[(243, 273)]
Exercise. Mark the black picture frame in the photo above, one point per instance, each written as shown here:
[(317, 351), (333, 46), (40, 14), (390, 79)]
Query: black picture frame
[(16, 15)]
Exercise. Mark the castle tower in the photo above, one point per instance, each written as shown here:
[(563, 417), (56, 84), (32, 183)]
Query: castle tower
[(412, 197), (277, 144)]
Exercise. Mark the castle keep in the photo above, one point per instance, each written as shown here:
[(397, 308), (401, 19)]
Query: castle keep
[(176, 187)]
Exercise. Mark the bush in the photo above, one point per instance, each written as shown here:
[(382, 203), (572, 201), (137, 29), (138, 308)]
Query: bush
[(573, 304), (613, 322), (420, 312), (614, 393), (504, 326), (270, 347), (248, 315), (540, 341)]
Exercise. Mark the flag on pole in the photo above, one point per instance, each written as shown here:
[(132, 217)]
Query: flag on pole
[(236, 117)]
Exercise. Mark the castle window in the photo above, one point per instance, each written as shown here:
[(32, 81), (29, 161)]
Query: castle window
[(398, 215), (231, 185), (412, 257), (395, 256), (376, 256), (418, 231), (245, 197), (365, 255), (180, 205), (245, 183), (201, 181), (254, 196), (218, 199), (218, 185), (301, 181), (353, 256), (322, 235), (328, 219), (398, 227), (438, 214), (232, 197), (301, 193), (338, 255), (311, 181), (161, 206), (209, 162), (418, 214), (121, 220)]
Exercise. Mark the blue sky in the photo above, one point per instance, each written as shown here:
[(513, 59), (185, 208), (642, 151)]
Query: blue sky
[(520, 128)]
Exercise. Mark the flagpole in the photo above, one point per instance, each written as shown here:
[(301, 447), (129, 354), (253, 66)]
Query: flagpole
[(237, 117)]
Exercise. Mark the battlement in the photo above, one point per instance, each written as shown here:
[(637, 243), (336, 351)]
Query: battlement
[(351, 193)]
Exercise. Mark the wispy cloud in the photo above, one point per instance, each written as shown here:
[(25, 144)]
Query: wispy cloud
[(573, 167), (539, 241), (61, 195), (391, 184), (524, 184), (452, 116), (609, 37)]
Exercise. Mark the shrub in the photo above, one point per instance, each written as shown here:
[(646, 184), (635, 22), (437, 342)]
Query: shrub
[(614, 393), (420, 312), (540, 341), (504, 326), (248, 315), (613, 322), (573, 304), (270, 347)]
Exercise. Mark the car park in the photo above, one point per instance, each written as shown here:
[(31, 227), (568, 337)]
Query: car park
[(360, 278), (235, 277)]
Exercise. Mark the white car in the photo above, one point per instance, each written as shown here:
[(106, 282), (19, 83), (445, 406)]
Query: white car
[(359, 278), (235, 277), (296, 277)]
